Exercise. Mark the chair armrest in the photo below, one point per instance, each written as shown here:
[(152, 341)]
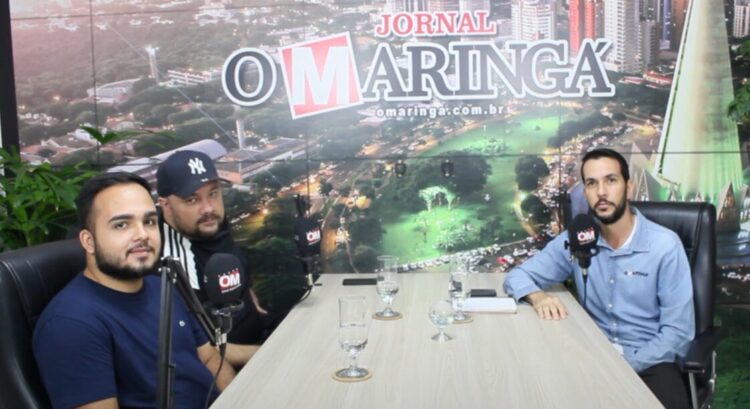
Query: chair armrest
[(702, 347)]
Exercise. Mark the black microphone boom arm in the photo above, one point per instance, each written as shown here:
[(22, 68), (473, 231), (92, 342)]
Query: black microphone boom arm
[(173, 267)]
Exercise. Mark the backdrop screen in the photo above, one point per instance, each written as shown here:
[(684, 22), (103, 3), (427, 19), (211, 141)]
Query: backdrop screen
[(416, 128)]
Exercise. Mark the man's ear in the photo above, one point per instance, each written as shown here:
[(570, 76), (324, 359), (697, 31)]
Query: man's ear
[(87, 240), (166, 207)]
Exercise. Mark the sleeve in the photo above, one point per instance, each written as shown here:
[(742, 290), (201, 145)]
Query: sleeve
[(548, 267), (199, 334), (676, 313), (75, 361)]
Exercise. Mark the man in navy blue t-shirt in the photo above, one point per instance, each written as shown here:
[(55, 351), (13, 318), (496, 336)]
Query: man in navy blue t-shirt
[(96, 343)]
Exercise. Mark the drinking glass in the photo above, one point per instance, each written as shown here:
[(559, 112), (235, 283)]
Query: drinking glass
[(458, 290), (388, 264), (387, 285), (441, 314), (352, 334), (459, 262)]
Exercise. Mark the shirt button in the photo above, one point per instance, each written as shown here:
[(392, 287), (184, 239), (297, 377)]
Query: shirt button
[(616, 339), (614, 324), (611, 280), (609, 306)]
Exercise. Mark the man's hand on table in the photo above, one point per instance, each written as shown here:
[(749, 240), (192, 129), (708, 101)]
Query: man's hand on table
[(547, 307)]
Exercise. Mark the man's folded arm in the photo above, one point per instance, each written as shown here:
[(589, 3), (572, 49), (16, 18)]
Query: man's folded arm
[(210, 357), (109, 403), (239, 354), (676, 315), (547, 268)]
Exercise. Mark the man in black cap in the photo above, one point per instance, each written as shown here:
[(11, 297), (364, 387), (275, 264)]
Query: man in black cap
[(193, 228)]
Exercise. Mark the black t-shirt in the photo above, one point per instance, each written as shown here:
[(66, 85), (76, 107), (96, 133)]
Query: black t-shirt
[(194, 253)]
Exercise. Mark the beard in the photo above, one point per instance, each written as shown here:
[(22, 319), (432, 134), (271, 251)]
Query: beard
[(616, 214), (121, 272), (195, 232)]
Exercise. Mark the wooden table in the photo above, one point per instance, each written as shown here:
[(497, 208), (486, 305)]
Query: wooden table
[(497, 361)]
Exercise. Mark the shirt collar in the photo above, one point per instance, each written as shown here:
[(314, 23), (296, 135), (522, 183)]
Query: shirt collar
[(640, 241)]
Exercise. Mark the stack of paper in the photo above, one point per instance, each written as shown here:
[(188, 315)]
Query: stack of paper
[(506, 305)]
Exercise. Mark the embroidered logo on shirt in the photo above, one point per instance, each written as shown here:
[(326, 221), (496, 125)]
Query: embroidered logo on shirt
[(636, 273)]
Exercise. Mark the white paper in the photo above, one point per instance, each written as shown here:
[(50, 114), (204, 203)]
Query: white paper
[(491, 304)]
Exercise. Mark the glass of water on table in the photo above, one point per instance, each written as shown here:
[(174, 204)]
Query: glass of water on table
[(387, 287), (352, 337)]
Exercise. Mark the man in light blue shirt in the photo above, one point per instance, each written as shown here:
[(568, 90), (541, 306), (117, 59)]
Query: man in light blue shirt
[(639, 289)]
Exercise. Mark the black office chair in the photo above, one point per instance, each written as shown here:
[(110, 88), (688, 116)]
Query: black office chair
[(695, 224), (29, 278)]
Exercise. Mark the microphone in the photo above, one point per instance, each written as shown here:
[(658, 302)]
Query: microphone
[(223, 281), (583, 235), (307, 236)]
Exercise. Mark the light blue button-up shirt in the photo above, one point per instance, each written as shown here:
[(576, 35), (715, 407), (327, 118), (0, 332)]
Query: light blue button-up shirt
[(640, 295)]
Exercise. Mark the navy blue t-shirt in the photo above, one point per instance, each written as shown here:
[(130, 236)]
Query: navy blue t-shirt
[(93, 343)]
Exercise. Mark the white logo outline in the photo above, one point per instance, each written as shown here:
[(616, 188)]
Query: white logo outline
[(196, 166)]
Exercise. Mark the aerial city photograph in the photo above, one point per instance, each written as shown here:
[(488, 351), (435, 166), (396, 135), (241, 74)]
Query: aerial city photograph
[(422, 129)]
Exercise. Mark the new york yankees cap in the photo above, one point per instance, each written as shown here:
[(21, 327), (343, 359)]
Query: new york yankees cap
[(184, 172)]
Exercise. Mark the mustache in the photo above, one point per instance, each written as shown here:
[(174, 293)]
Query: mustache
[(140, 247), (208, 217), (604, 202)]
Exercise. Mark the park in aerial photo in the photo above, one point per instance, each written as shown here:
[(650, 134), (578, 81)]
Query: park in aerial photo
[(462, 213), (487, 184)]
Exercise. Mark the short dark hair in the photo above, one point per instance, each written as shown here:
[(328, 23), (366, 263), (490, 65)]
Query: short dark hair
[(98, 183), (607, 153)]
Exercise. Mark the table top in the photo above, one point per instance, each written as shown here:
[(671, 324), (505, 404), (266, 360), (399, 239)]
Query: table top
[(496, 361)]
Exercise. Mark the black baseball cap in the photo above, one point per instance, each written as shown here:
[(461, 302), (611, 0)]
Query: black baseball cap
[(184, 172)]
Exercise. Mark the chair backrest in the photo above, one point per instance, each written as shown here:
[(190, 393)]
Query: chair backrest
[(695, 224), (29, 278)]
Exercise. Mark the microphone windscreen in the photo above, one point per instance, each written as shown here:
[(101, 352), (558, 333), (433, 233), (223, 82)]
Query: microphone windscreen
[(583, 234), (223, 279), (307, 236)]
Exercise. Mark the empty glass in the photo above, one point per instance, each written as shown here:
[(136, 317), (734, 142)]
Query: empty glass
[(352, 334), (458, 290), (459, 262), (387, 285), (388, 264), (441, 314)]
